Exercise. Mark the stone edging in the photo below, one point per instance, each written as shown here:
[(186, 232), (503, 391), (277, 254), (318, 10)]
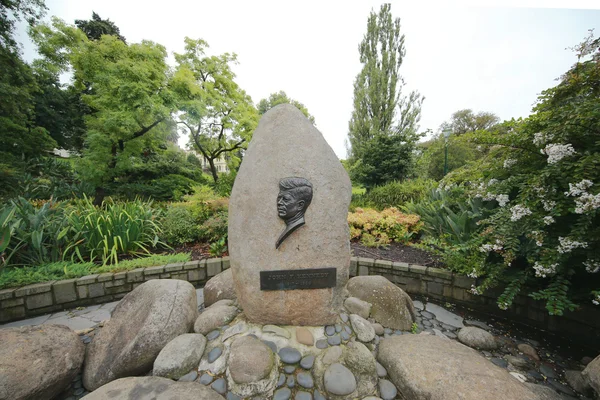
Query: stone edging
[(436, 283)]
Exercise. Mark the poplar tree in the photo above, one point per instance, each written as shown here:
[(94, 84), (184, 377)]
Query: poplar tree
[(383, 120)]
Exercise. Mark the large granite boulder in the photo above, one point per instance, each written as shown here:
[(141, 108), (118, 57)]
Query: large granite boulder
[(427, 367), (287, 145), (591, 375), (391, 306), (180, 356), (215, 317), (219, 287), (142, 324), (38, 362), (153, 387)]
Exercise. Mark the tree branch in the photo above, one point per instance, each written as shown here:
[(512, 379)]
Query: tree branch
[(238, 145), (145, 129)]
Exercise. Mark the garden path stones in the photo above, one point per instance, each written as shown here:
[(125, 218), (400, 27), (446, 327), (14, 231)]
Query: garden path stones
[(391, 306), (304, 336), (307, 362), (479, 324), (219, 386), (179, 356), (305, 380), (357, 306), (212, 335), (302, 395), (363, 328), (250, 360), (330, 330), (277, 330), (214, 354), (146, 320), (334, 340), (339, 380), (289, 369), (321, 344), (289, 355), (282, 394), (477, 338), (418, 305), (445, 316), (387, 389), (206, 379), (214, 317)]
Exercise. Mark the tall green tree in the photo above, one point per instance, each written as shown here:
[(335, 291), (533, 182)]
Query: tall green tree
[(282, 98), (382, 115), (463, 121), (96, 27), (215, 112), (126, 85)]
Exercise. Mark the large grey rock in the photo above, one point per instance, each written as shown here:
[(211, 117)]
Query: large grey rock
[(252, 368), (219, 287), (339, 380), (38, 362), (391, 306), (576, 381), (591, 375), (286, 144), (152, 387), (477, 338), (179, 356), (427, 367), (363, 328), (543, 392), (358, 306), (142, 324), (214, 317)]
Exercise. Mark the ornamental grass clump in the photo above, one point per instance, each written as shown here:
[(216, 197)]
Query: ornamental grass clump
[(379, 228)]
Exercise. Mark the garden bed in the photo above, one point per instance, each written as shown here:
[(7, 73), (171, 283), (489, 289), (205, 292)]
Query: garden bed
[(397, 252)]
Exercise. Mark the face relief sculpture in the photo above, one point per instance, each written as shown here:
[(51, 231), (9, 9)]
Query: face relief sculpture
[(295, 195)]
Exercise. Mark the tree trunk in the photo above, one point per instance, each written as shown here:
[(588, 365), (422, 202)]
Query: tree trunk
[(99, 197), (213, 169)]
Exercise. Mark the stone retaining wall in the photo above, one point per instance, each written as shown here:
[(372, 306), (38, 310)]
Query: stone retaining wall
[(435, 283), (47, 297)]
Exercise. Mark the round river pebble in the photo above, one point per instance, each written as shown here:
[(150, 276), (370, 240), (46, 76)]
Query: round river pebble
[(305, 380), (291, 381), (321, 344), (329, 330), (281, 380), (282, 394), (387, 389), (213, 334), (289, 355), (214, 354), (205, 379), (344, 318), (318, 396), (307, 362), (219, 386), (334, 340), (289, 369), (339, 380), (301, 395)]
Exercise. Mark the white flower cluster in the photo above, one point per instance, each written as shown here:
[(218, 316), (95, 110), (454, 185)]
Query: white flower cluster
[(549, 204), (539, 238), (486, 248), (540, 138), (492, 181), (509, 162), (587, 202), (596, 301), (579, 188), (549, 219), (503, 306), (473, 274), (567, 245), (502, 199), (557, 152), (592, 266), (474, 290), (519, 212), (541, 271), (448, 186)]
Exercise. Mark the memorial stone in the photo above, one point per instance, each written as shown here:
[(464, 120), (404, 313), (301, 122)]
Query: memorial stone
[(288, 232)]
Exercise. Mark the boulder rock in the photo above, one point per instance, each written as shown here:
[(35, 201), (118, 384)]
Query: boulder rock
[(543, 392), (214, 317), (357, 306), (339, 380), (591, 374), (38, 362), (143, 322), (152, 387), (576, 381), (252, 367), (219, 287), (391, 306), (286, 144), (427, 367), (179, 356), (477, 338), (528, 350), (363, 328)]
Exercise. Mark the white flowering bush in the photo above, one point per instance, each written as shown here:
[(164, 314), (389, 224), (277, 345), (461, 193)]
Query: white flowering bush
[(542, 174)]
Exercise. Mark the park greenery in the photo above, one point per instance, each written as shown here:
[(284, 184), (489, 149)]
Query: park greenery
[(517, 209)]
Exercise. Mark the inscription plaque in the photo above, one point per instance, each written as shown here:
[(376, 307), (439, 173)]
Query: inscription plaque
[(290, 279)]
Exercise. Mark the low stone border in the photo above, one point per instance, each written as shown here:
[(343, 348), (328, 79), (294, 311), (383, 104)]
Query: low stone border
[(436, 283), (47, 297)]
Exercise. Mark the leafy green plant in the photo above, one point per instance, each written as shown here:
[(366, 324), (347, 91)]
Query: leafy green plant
[(179, 226), (375, 229), (216, 249), (215, 227), (392, 194), (414, 328)]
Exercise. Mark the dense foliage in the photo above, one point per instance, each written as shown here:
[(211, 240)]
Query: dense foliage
[(375, 229), (392, 194), (282, 98)]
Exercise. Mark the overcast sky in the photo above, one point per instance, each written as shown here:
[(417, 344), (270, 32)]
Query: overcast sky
[(493, 58)]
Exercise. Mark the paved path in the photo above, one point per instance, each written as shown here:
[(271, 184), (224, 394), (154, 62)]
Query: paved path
[(80, 318)]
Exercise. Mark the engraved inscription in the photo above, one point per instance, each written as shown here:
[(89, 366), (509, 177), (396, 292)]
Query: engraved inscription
[(315, 278)]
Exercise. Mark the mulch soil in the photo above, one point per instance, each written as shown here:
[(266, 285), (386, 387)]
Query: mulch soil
[(397, 252)]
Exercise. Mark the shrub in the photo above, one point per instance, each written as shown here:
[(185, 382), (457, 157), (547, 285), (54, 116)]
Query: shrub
[(215, 227), (224, 184), (373, 228), (179, 226), (393, 194)]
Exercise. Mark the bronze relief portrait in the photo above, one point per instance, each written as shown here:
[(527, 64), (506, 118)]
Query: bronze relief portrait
[(295, 195)]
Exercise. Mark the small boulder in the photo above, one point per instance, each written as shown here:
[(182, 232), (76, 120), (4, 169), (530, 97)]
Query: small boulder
[(528, 350), (219, 287), (38, 362), (179, 356), (252, 367), (152, 387), (142, 324), (363, 328), (591, 374), (391, 306), (427, 367), (477, 338), (214, 317), (339, 380), (576, 381), (357, 306)]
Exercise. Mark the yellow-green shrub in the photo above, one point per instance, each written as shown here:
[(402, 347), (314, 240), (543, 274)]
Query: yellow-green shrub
[(379, 228)]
